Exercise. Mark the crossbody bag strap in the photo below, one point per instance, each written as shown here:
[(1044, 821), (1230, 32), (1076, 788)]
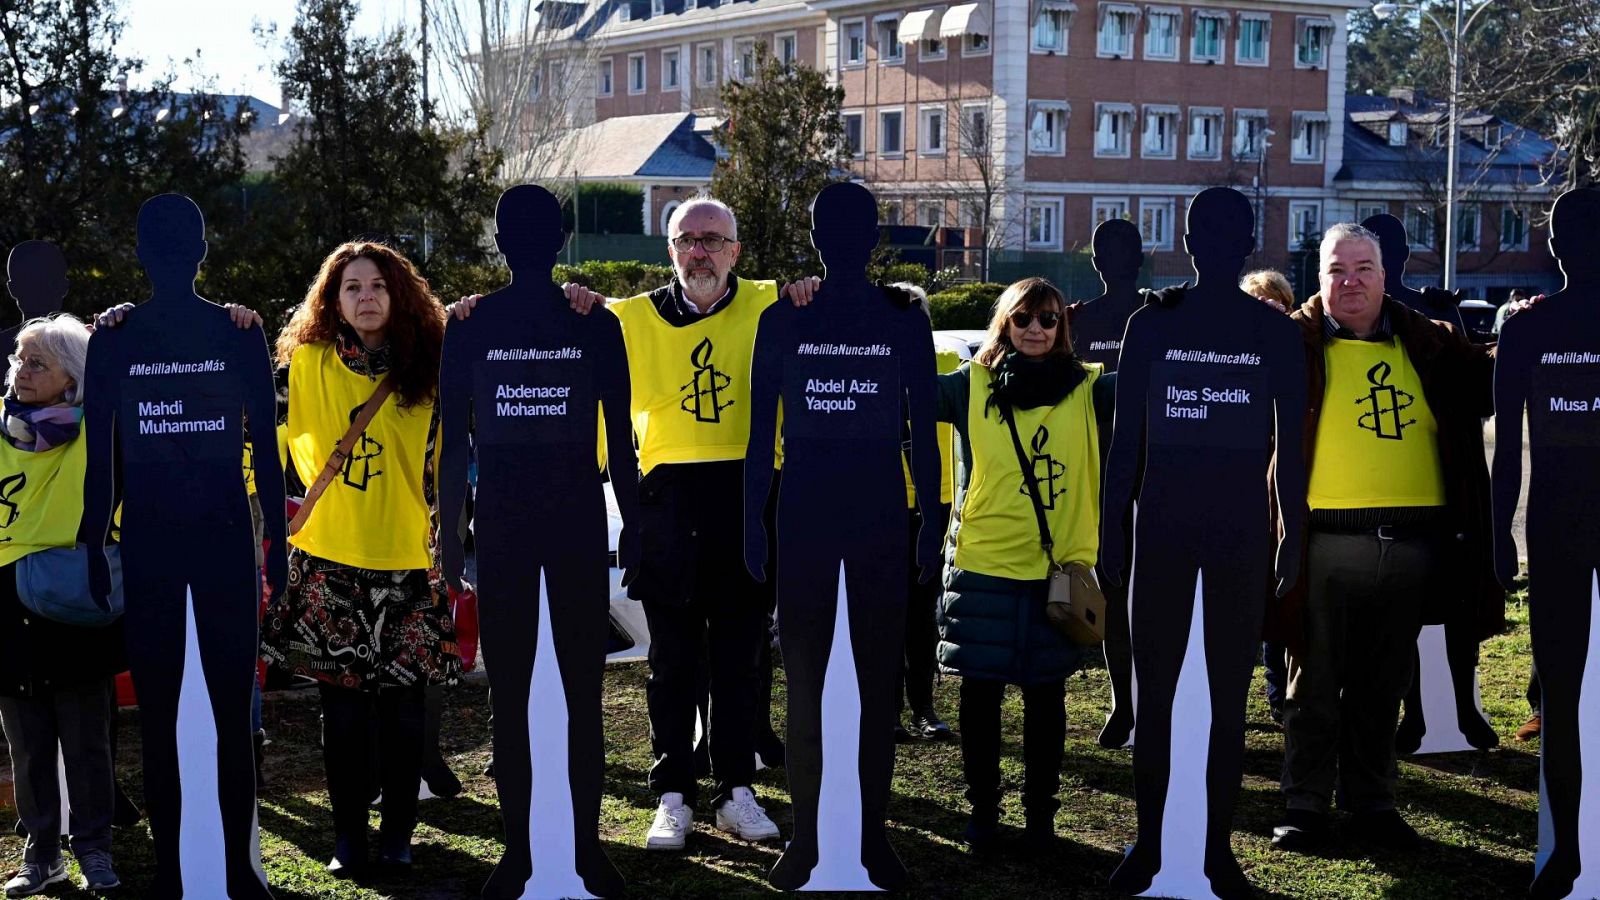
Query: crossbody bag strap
[(341, 453), (1033, 486)]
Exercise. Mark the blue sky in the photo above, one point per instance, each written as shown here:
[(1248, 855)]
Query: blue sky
[(166, 32)]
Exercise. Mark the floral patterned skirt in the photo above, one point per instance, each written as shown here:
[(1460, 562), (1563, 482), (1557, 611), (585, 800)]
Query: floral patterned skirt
[(361, 628)]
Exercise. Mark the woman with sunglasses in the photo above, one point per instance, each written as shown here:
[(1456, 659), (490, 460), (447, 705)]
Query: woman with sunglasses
[(993, 630)]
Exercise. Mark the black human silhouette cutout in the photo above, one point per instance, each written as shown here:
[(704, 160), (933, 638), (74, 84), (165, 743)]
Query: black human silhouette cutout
[(1208, 382), (1460, 633), (524, 383), (162, 411), (1548, 362), (1097, 328), (36, 276), (1395, 245), (850, 369)]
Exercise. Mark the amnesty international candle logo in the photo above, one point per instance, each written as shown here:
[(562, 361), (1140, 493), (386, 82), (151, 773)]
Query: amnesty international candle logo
[(358, 466), (703, 395), (1047, 472), (1384, 403), (10, 486)]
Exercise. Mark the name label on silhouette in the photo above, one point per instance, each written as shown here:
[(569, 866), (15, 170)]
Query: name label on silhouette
[(532, 395), (1208, 404), (1564, 392), (842, 389), (181, 410)]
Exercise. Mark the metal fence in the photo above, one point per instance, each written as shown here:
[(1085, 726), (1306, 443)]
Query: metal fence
[(642, 247)]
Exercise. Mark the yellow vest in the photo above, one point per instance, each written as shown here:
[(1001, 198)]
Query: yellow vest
[(373, 515), (1377, 441), (946, 361), (41, 498), (691, 384), (998, 533)]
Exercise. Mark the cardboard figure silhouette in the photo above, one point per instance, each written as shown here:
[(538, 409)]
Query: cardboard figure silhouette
[(524, 382), (1549, 363), (1206, 387), (1447, 654), (850, 370), (1097, 328), (162, 411), (36, 277)]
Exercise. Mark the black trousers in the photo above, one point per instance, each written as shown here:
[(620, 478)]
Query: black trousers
[(1044, 736), (348, 717), (922, 631), (72, 725)]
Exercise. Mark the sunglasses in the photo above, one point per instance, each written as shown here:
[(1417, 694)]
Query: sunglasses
[(1047, 320)]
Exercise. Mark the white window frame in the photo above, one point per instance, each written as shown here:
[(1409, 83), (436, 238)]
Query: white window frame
[(845, 59), (1159, 204), (1239, 59), (926, 129), (923, 206), (1050, 241), (666, 214), (970, 46), (1124, 150), (925, 51), (1303, 26), (704, 75), (1301, 126), (1499, 135), (1521, 214), (901, 140), (1049, 108), (1240, 115), (676, 69), (1106, 12), (888, 47), (969, 212), (860, 150), (1366, 209), (1403, 132), (606, 78), (740, 46), (658, 8), (1474, 211), (644, 74), (966, 129), (1219, 131), (1176, 16), (1411, 233), (625, 12), (1104, 209), (1174, 117), (794, 38), (1222, 19), (1067, 12), (1296, 207)]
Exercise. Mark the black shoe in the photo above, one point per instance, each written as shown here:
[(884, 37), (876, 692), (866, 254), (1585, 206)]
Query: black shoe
[(395, 850), (125, 813), (901, 735), (442, 783), (770, 749), (488, 770), (1039, 835), (259, 742), (929, 727), (1384, 828), (349, 857), (1301, 832), (983, 830)]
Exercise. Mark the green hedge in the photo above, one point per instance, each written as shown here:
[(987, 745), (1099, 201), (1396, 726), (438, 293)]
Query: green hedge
[(616, 278), (964, 305)]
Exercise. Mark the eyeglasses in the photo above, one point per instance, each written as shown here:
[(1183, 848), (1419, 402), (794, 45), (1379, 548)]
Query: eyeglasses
[(1047, 320), (31, 363), (711, 243)]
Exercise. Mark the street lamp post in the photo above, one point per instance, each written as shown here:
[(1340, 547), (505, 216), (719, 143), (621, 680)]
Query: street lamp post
[(1452, 39)]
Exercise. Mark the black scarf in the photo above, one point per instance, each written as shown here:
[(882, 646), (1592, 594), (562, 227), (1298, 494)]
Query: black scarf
[(1022, 382), (355, 355)]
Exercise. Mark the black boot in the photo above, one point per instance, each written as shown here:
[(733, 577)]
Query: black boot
[(983, 829), (349, 856)]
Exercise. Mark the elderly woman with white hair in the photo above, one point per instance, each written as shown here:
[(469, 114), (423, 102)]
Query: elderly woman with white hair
[(55, 679)]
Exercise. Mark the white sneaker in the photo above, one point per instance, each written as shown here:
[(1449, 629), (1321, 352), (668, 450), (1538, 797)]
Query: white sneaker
[(672, 824), (741, 815)]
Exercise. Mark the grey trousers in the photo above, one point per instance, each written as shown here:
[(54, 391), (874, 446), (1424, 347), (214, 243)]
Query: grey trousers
[(1363, 614), (77, 722)]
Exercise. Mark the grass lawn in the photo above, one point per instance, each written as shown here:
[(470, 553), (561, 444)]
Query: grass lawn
[(1478, 810)]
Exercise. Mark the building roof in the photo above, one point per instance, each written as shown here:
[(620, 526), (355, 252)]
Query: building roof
[(582, 21), (1518, 159), (664, 145)]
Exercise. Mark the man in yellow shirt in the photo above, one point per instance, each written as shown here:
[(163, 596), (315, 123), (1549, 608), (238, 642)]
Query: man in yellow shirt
[(1399, 531)]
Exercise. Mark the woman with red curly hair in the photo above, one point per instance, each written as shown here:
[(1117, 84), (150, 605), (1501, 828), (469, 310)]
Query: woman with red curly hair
[(365, 612)]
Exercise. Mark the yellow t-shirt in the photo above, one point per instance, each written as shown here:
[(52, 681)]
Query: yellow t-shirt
[(999, 533), (41, 498), (946, 361), (691, 383), (1377, 442), (373, 514)]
